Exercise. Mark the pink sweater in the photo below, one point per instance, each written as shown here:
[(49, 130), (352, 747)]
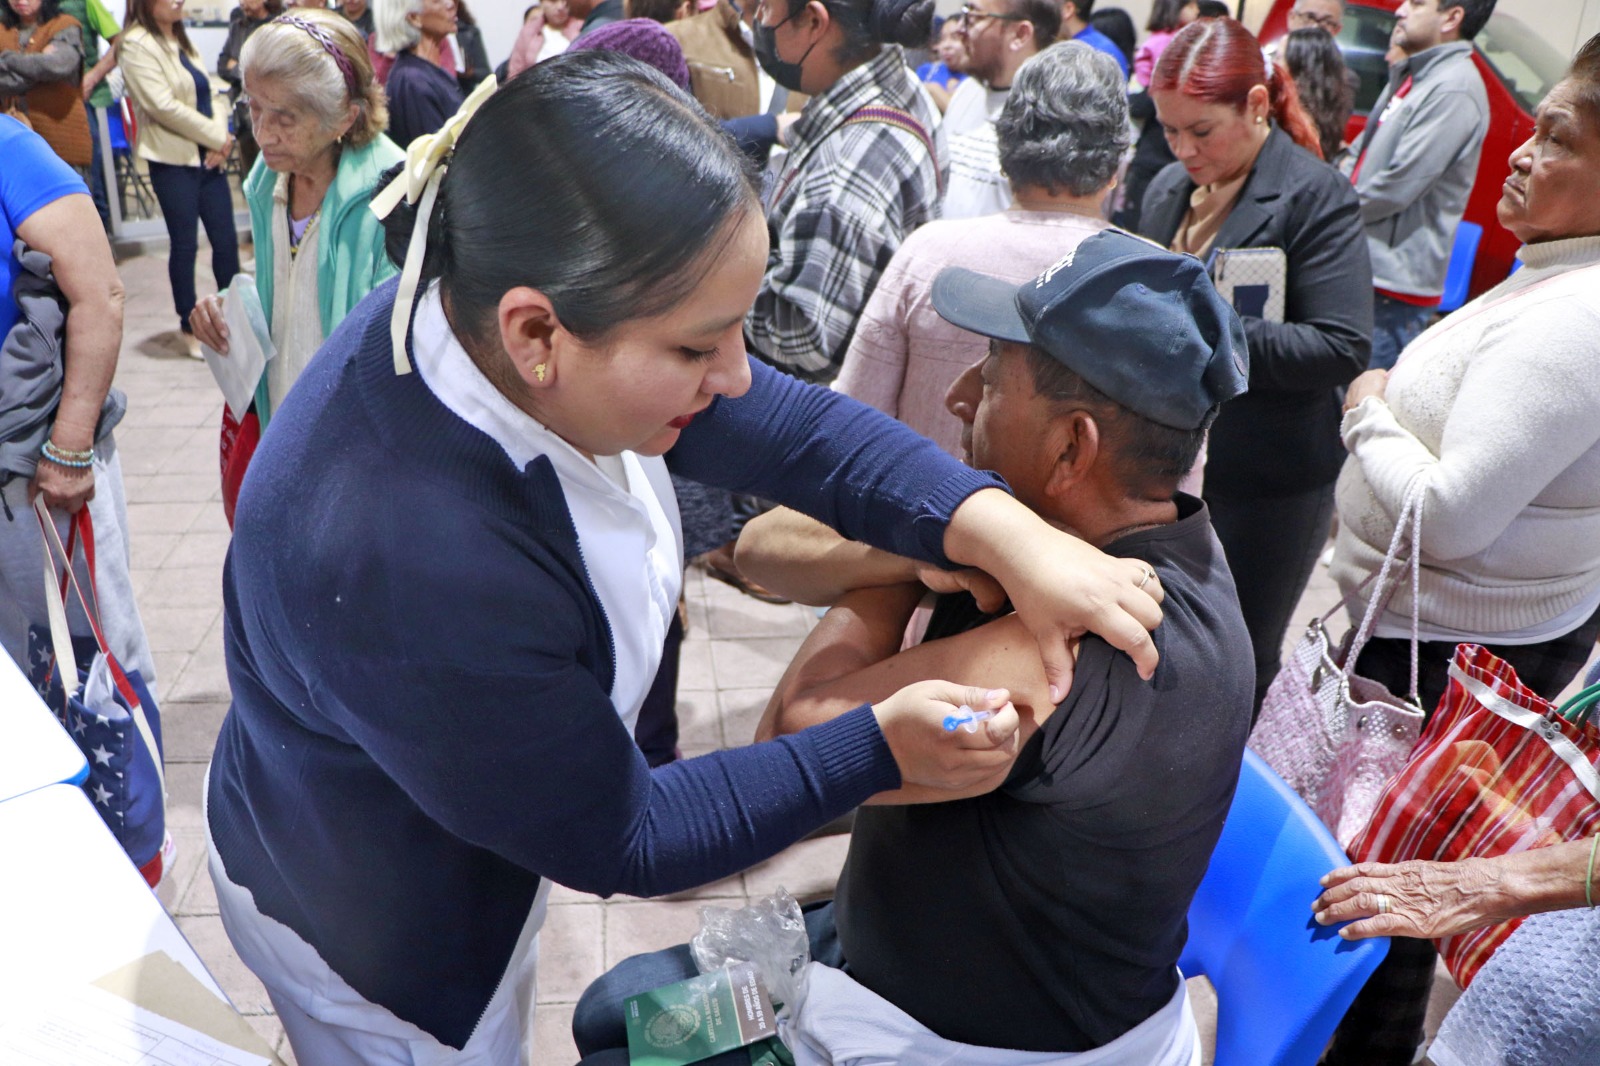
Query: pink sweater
[(904, 357), (1145, 58)]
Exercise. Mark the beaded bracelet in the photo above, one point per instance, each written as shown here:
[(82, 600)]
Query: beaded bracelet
[(71, 459), (1588, 880)]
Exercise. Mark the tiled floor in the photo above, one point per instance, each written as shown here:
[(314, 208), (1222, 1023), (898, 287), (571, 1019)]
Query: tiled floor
[(736, 649)]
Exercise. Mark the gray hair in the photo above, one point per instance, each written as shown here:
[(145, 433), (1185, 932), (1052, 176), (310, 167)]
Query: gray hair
[(289, 56), (392, 32), (1065, 124)]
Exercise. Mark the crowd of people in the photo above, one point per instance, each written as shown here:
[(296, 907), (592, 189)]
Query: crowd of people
[(737, 282)]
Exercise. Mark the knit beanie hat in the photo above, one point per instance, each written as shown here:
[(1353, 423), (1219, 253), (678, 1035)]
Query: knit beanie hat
[(645, 40)]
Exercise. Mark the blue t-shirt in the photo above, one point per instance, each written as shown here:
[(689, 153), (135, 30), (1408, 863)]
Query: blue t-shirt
[(1095, 39), (938, 74), (32, 177)]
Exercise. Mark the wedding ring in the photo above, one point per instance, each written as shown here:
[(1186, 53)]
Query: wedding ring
[(1143, 581), (1383, 904)]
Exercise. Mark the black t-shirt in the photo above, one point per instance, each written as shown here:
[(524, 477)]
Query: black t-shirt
[(1049, 915)]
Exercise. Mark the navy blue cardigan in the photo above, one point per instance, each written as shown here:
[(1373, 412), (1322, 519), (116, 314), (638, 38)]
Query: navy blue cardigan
[(421, 725)]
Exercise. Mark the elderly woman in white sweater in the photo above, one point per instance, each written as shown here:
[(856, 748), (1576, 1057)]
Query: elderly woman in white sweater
[(1496, 410)]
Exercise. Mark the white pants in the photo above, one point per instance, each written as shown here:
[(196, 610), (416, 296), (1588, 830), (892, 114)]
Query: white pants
[(22, 601), (836, 1021), (331, 1024)]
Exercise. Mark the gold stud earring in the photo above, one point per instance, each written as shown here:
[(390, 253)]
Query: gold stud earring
[(540, 371)]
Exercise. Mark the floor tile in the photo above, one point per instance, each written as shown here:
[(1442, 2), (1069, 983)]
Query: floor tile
[(205, 932), (699, 723), (552, 1036), (161, 517), (742, 709), (571, 951), (189, 729), (757, 663), (737, 615), (177, 628), (808, 870), (198, 587), (634, 928)]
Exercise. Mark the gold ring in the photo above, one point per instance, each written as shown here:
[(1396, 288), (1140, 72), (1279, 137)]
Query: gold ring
[(1143, 581)]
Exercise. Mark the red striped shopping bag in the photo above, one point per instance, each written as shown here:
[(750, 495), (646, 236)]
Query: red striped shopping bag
[(1497, 770)]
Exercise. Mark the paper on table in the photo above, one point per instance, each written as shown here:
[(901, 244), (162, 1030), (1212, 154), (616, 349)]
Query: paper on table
[(88, 1026), (160, 983), (249, 346), (152, 1011)]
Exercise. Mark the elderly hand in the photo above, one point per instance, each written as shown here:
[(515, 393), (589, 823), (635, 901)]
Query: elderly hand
[(928, 754), (1371, 383), (65, 488), (208, 325), (1419, 899)]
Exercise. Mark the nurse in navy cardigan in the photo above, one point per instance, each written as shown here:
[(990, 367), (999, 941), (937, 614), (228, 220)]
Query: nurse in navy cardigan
[(455, 558)]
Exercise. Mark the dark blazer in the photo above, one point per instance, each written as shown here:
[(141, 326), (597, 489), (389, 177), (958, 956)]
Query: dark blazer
[(1282, 436)]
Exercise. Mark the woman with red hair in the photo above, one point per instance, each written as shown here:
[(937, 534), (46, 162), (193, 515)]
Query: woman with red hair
[(1249, 174)]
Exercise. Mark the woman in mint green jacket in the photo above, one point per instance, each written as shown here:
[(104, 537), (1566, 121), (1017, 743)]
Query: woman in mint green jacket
[(319, 116)]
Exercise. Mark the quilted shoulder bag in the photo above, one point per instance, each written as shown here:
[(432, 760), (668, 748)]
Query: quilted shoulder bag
[(1335, 737)]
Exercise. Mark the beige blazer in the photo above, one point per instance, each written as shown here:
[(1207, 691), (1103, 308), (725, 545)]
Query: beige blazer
[(170, 126)]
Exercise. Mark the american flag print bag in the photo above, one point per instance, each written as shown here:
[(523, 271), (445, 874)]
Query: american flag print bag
[(108, 712)]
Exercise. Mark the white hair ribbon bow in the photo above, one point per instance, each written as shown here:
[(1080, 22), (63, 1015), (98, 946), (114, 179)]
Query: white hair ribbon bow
[(419, 178)]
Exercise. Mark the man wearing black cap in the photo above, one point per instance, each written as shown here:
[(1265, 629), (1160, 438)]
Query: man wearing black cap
[(1060, 897), (1045, 910)]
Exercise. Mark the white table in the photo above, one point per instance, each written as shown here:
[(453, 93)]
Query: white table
[(34, 750), (72, 907)]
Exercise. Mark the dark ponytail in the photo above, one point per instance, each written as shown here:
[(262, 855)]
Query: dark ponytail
[(589, 177), (867, 25), (906, 22)]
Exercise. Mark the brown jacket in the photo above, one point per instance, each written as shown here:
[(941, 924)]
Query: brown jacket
[(53, 108), (722, 69)]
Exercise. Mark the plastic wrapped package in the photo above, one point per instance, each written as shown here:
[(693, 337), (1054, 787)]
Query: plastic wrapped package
[(769, 933)]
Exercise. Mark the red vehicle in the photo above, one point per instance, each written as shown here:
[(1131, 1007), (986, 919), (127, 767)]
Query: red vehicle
[(1518, 68)]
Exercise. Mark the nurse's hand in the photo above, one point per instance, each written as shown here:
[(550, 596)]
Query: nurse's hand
[(1060, 586), (913, 722)]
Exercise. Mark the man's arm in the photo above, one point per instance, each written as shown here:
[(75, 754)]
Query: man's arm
[(808, 562), (68, 230), (853, 651), (98, 72)]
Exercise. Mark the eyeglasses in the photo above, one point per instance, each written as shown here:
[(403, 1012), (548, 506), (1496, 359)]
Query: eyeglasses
[(969, 14)]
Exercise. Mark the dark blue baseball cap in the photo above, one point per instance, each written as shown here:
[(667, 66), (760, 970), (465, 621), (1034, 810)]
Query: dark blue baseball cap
[(1143, 325)]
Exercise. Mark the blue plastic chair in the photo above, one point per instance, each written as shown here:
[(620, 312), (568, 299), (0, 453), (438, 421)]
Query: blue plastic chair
[(1283, 982), (1458, 276)]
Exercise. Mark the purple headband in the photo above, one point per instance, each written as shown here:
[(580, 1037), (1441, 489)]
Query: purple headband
[(329, 46)]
